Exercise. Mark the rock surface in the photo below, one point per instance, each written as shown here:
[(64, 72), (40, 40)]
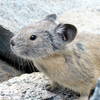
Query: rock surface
[(7, 72), (96, 95), (85, 21), (14, 14), (32, 87)]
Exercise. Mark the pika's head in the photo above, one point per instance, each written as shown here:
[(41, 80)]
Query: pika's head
[(43, 38)]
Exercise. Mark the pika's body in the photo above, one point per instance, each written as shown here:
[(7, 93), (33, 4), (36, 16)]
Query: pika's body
[(71, 60), (77, 68)]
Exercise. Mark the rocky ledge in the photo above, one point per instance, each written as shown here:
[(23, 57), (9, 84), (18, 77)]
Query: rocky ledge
[(32, 87)]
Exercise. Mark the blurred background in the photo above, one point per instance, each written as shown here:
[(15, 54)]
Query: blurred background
[(19, 13)]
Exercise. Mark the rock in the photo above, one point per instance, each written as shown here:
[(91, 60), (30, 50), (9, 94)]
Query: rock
[(96, 95), (14, 14), (85, 21), (7, 72), (32, 87)]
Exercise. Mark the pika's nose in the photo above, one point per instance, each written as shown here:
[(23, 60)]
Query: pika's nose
[(12, 42)]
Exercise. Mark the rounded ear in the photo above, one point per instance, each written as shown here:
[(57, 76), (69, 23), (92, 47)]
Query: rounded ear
[(67, 31), (51, 17)]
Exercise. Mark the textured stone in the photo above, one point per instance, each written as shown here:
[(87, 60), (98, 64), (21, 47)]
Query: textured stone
[(32, 87), (96, 95), (14, 14), (84, 20), (7, 72)]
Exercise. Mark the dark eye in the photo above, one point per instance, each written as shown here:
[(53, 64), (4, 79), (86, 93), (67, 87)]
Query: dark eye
[(33, 37)]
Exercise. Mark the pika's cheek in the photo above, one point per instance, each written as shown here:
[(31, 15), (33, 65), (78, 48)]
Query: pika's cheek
[(37, 41)]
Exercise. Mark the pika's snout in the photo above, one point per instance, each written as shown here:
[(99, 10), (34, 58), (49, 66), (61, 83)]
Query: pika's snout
[(12, 42)]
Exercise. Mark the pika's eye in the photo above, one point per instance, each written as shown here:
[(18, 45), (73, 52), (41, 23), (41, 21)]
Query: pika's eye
[(33, 37)]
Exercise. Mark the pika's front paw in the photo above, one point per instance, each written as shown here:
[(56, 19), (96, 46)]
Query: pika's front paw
[(52, 87)]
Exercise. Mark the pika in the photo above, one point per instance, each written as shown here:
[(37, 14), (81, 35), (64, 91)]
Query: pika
[(67, 57)]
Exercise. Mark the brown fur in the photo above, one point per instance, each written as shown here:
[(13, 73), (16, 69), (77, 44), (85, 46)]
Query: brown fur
[(78, 67)]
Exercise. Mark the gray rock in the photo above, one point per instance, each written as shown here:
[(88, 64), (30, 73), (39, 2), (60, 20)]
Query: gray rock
[(32, 87), (86, 21), (7, 72), (15, 14), (96, 95)]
